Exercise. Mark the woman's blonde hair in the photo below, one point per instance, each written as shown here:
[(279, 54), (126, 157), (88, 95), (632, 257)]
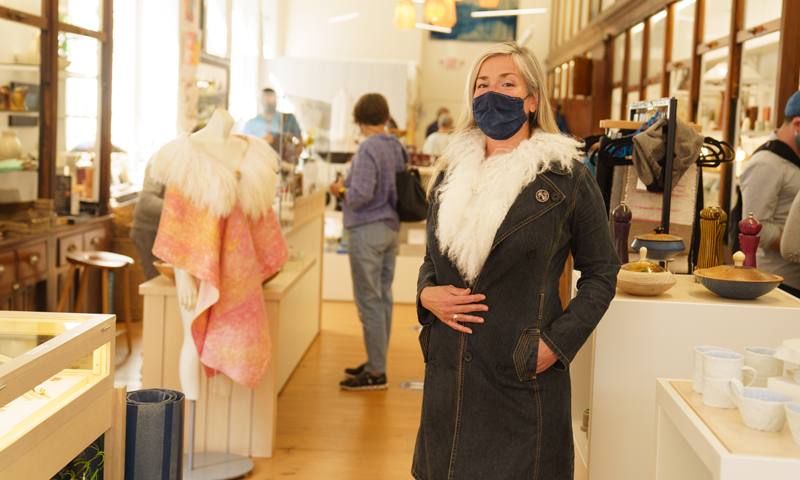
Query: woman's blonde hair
[(531, 72)]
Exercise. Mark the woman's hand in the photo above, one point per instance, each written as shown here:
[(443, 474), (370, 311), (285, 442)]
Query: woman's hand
[(447, 302), (546, 357), (336, 187)]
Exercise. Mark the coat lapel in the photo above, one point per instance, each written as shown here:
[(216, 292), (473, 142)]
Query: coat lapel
[(536, 199)]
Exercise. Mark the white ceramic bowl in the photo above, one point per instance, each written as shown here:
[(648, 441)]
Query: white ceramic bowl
[(793, 417), (761, 408)]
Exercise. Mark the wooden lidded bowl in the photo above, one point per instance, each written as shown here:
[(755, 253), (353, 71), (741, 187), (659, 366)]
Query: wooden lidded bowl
[(644, 278), (737, 281), (165, 269)]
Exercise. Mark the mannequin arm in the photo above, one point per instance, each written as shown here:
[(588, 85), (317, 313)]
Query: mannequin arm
[(187, 289)]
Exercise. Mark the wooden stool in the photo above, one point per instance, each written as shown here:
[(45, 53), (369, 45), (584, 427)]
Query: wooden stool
[(105, 261)]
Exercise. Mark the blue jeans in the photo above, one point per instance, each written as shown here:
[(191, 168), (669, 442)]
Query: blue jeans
[(372, 252)]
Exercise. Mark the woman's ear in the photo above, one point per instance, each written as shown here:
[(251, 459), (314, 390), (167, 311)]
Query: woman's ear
[(534, 103)]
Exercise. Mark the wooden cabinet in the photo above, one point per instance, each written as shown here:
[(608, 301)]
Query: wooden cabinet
[(68, 244), (32, 268)]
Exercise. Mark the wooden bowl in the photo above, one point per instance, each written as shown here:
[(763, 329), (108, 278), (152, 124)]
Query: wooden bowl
[(737, 281), (165, 269), (645, 284)]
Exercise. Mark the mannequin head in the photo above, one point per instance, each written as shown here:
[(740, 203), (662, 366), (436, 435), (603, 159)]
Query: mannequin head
[(269, 103)]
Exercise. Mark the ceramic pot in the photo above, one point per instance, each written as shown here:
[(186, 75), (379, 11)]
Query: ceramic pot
[(789, 351), (644, 278), (661, 246), (737, 281), (725, 365), (793, 417), (10, 146), (763, 360), (5, 98), (18, 99), (697, 372), (761, 408)]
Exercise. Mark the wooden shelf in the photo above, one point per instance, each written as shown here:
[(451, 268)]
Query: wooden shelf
[(20, 67), (628, 125)]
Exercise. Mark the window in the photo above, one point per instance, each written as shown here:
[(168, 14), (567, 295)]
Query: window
[(683, 31), (759, 12), (717, 20), (655, 56), (759, 73), (619, 58)]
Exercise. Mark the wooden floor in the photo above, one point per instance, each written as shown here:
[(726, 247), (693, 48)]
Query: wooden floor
[(327, 433)]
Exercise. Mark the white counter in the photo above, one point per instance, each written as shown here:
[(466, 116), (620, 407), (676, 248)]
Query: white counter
[(643, 338)]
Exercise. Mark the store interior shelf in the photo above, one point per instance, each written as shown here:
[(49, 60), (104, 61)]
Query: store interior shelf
[(20, 67), (21, 114), (755, 133)]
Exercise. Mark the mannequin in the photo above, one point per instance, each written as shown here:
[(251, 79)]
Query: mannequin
[(216, 140), (219, 231)]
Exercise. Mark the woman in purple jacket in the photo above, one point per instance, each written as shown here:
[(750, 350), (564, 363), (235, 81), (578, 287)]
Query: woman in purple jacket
[(370, 199)]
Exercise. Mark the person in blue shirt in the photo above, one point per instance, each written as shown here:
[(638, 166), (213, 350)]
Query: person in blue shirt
[(272, 126)]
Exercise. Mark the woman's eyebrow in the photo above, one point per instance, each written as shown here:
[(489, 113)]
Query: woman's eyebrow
[(502, 75)]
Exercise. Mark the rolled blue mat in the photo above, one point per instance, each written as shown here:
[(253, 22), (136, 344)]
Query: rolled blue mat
[(154, 436)]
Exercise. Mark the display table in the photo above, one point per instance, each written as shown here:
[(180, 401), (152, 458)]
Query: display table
[(641, 339), (695, 441), (244, 422), (57, 393)]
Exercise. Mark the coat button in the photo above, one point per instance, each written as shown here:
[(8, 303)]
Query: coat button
[(531, 253), (467, 357), (501, 368), (555, 196)]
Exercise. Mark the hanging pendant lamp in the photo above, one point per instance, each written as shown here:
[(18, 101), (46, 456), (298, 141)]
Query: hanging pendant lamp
[(449, 19), (488, 3), (434, 10), (404, 15)]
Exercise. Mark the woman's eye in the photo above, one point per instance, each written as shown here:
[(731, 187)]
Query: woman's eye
[(482, 85), (508, 84)]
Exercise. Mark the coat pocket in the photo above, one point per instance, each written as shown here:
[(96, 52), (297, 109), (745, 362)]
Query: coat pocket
[(424, 341), (526, 354)]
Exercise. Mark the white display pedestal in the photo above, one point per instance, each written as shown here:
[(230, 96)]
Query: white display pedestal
[(643, 338), (687, 448), (244, 422)]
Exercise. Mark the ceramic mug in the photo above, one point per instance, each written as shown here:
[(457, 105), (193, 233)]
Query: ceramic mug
[(715, 393), (793, 417), (726, 364), (763, 361), (761, 408), (697, 373)]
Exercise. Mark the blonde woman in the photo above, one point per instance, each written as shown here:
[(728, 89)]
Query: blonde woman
[(509, 203)]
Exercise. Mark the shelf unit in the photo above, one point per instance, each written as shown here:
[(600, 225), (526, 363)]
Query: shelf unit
[(46, 21)]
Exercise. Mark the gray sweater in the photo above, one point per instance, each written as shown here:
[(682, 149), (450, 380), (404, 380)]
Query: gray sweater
[(769, 185), (790, 242), (147, 213)]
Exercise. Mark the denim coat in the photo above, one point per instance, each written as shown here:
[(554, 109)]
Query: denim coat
[(486, 414)]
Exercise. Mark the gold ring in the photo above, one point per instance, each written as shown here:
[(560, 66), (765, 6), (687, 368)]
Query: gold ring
[(455, 317)]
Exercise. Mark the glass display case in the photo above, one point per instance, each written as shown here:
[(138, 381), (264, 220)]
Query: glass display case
[(56, 391), (710, 113)]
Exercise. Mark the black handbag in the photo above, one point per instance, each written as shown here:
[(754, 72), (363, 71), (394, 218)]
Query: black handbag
[(412, 203)]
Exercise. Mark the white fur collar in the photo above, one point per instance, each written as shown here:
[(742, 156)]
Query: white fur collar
[(210, 185), (477, 192)]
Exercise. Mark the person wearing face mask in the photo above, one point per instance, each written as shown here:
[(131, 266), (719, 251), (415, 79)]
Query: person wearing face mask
[(509, 201), (270, 124), (769, 184), (370, 216)]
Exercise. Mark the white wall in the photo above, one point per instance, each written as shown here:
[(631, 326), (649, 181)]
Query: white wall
[(299, 28), (444, 87), (370, 36)]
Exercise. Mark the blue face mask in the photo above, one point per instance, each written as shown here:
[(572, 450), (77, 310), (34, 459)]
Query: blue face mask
[(499, 116)]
